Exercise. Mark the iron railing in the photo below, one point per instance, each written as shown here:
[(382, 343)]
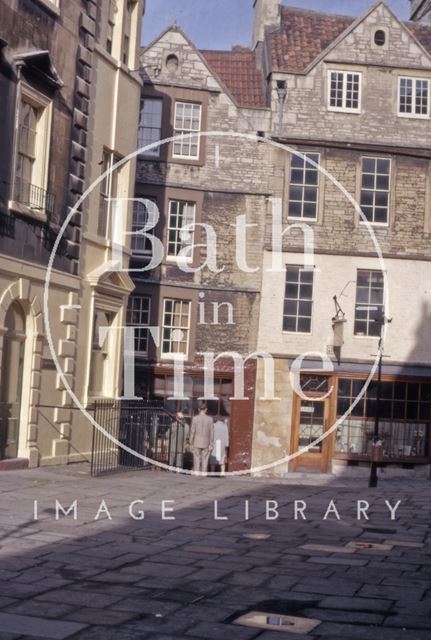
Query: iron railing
[(33, 196), (146, 429), (7, 225)]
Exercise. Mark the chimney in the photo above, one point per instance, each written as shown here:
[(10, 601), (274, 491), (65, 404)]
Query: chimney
[(420, 10), (266, 13)]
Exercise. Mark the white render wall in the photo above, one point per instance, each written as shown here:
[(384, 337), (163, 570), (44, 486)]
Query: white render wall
[(409, 287)]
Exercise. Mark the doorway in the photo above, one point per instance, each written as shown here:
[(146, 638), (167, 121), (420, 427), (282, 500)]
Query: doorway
[(12, 368), (310, 422)]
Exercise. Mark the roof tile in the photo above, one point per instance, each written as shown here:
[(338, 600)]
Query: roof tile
[(238, 71)]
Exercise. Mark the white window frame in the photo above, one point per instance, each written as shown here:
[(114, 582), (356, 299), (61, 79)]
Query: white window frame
[(109, 190), (368, 306), (300, 269), (170, 354), (179, 244), (182, 130), (413, 113), (102, 357), (361, 188), (141, 327), (304, 185), (344, 108), (155, 152)]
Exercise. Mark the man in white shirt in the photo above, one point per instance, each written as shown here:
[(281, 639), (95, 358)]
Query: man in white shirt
[(220, 445)]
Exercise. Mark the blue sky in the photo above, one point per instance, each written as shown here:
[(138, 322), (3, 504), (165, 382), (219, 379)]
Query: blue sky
[(219, 24)]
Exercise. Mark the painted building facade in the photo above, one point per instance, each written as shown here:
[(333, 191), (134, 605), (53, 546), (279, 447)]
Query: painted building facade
[(65, 68)]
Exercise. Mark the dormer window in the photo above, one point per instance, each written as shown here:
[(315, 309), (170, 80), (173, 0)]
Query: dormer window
[(344, 91)]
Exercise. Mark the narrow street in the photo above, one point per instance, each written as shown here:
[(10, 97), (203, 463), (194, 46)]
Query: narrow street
[(108, 574)]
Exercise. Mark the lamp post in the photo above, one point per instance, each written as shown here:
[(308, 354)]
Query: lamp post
[(381, 319)]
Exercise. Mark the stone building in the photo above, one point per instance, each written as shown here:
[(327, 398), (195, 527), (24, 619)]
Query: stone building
[(67, 90), (212, 181), (351, 96)]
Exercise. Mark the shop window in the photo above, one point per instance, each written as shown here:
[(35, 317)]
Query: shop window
[(194, 391), (405, 415)]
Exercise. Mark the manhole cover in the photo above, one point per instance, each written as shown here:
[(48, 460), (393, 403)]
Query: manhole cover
[(276, 622)]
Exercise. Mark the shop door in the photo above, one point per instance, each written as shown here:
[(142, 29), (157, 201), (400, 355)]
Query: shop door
[(310, 422)]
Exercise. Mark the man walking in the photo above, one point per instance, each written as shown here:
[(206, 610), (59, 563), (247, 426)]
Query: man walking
[(201, 439)]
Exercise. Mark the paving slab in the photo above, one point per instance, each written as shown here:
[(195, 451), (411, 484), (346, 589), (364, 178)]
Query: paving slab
[(38, 627), (190, 577)]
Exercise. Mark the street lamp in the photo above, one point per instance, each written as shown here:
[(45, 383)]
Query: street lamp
[(381, 319)]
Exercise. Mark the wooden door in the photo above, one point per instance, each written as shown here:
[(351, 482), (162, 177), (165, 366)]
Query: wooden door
[(310, 422)]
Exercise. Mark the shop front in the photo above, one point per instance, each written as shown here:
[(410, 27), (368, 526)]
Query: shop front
[(404, 421)]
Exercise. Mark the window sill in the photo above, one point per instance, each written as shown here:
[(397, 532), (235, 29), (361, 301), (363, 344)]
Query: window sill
[(414, 116), (182, 357), (294, 219), (193, 162), (178, 261), (297, 333), (27, 212), (377, 225), (52, 7), (342, 110)]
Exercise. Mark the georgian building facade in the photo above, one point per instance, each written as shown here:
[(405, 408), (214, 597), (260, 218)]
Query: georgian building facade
[(351, 96), (67, 91)]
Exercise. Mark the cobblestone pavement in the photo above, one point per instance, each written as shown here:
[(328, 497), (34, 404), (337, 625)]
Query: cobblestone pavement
[(126, 578)]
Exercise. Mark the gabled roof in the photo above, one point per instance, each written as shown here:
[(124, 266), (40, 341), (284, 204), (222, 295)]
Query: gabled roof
[(303, 35), (235, 70), (238, 71)]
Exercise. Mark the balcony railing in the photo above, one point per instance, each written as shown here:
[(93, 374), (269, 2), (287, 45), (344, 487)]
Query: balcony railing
[(34, 197)]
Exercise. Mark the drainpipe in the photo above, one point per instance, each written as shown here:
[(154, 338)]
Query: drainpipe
[(282, 95)]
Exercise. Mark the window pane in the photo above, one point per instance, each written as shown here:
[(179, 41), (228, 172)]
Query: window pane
[(303, 190), (298, 300), (375, 184)]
